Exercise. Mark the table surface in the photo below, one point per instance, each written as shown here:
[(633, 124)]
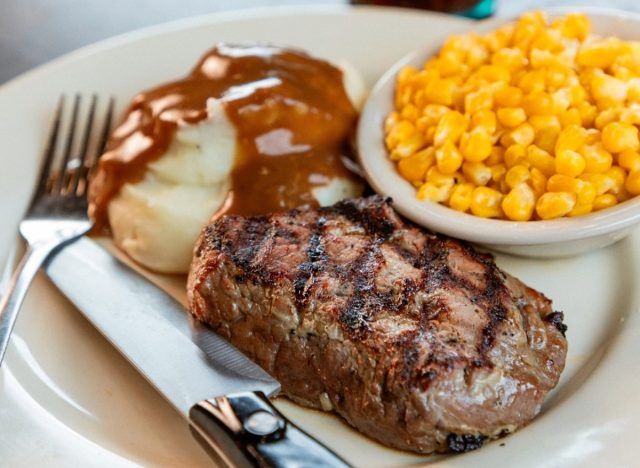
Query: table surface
[(35, 31)]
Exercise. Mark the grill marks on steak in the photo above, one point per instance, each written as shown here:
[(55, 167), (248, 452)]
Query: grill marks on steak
[(417, 340)]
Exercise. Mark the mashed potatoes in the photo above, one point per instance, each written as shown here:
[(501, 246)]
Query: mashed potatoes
[(157, 220)]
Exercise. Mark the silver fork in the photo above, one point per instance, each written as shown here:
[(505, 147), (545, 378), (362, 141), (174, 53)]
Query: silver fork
[(57, 214)]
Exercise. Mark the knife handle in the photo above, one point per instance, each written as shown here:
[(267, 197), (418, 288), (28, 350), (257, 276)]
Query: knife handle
[(246, 430)]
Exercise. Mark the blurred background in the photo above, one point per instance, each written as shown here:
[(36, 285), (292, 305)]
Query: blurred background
[(35, 31)]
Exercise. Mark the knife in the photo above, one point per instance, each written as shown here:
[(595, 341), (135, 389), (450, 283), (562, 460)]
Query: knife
[(223, 394)]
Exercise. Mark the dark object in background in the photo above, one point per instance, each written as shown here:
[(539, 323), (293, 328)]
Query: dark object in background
[(472, 8)]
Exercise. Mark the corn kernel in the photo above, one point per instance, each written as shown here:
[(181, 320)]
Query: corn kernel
[(510, 96), (392, 119), (532, 81), (570, 117), (516, 175), (570, 138), (585, 191), (538, 103), (399, 132), (562, 183), (448, 158), (414, 167), (602, 183), (451, 127), (573, 26), (485, 119), (433, 113), (476, 172), (433, 192), (511, 116), (599, 54), (555, 204), (440, 91), (537, 181), (478, 100), (410, 113), (581, 209), (486, 202), (498, 172), (511, 59), (460, 199), (605, 87), (632, 183), (476, 145), (410, 145), (541, 160), (630, 160), (606, 117), (519, 203), (522, 135), (438, 178), (618, 175), (570, 163), (618, 137), (515, 154), (496, 156), (604, 201)]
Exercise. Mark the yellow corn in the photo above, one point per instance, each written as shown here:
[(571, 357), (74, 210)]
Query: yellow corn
[(461, 197), (486, 202), (542, 116), (630, 160), (510, 96), (477, 101), (571, 138), (414, 167), (618, 137), (607, 88), (538, 182), (496, 156), (601, 183), (433, 192), (511, 116), (555, 204), (604, 201), (451, 127), (632, 183), (476, 145), (516, 175), (597, 158), (498, 171), (515, 154), (519, 203), (618, 175), (570, 163), (541, 160), (521, 135), (448, 158), (476, 172)]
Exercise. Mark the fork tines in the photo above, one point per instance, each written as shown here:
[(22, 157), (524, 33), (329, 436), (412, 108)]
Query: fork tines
[(65, 170)]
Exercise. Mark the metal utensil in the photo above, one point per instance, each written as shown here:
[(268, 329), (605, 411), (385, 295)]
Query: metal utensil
[(152, 331), (57, 214)]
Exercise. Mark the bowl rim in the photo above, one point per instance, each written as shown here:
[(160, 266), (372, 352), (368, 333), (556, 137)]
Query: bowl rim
[(382, 175)]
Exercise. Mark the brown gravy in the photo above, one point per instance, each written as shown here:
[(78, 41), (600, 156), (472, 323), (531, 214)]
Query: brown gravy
[(292, 116)]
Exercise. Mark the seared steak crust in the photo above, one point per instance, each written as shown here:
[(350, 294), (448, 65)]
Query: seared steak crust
[(417, 340)]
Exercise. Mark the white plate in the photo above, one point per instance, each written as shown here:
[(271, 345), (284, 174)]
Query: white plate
[(69, 399)]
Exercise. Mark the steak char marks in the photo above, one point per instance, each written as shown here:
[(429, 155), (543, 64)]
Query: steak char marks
[(417, 340)]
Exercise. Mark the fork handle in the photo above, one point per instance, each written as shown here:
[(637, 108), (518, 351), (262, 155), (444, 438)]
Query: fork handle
[(10, 304)]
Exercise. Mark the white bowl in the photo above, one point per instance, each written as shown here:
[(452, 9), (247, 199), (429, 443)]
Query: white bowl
[(553, 238)]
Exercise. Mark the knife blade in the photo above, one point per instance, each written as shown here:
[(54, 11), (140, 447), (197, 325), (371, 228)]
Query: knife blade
[(222, 393)]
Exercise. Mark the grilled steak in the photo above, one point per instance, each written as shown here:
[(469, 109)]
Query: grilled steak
[(417, 340)]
